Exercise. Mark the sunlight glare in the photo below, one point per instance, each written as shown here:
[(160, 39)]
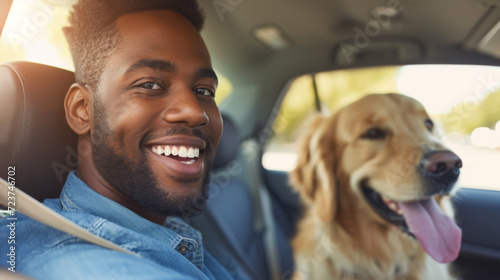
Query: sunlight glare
[(441, 87)]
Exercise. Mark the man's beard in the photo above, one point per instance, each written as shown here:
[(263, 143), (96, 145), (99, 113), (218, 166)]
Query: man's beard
[(135, 178)]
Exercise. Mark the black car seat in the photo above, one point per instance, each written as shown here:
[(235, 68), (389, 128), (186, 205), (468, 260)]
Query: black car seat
[(34, 135), (244, 226)]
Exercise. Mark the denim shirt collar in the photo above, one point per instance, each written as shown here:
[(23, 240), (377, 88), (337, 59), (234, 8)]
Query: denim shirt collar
[(77, 196)]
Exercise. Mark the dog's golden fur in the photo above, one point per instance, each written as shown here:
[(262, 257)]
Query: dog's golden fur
[(340, 236)]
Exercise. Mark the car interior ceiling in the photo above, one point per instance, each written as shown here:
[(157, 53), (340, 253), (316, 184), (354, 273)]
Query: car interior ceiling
[(442, 32)]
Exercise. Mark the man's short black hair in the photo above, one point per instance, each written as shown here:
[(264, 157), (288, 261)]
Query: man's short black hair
[(92, 34)]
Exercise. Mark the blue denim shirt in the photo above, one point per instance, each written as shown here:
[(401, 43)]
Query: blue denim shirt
[(45, 253)]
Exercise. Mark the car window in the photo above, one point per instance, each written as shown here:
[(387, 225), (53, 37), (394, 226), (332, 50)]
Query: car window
[(463, 100), (33, 32)]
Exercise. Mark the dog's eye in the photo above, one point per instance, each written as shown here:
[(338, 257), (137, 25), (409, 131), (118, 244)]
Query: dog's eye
[(374, 133), (429, 124)]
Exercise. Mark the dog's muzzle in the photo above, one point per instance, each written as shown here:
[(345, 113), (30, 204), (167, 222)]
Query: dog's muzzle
[(423, 219)]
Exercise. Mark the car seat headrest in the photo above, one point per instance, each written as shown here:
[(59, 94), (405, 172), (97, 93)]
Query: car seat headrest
[(34, 136), (228, 144)]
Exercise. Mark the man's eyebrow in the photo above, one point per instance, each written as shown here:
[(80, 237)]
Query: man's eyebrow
[(207, 73), (155, 64)]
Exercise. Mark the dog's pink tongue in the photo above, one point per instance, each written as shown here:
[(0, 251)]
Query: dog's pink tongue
[(437, 233)]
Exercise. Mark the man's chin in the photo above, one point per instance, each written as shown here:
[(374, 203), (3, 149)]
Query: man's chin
[(181, 183), (184, 204), (183, 197)]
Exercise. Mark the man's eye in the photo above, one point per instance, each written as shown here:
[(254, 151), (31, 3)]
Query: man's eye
[(150, 85), (204, 91)]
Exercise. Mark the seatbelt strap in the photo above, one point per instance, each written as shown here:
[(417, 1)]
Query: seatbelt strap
[(17, 200), (270, 235), (263, 208)]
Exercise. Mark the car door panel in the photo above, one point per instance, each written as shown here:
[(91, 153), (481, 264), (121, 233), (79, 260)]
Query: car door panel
[(477, 213)]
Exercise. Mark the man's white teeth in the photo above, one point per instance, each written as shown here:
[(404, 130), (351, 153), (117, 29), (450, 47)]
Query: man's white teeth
[(191, 161), (182, 151)]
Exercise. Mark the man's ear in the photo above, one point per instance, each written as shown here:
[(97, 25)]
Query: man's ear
[(76, 105)]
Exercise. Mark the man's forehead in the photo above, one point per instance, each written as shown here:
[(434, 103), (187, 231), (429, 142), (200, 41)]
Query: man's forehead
[(157, 30), (164, 18)]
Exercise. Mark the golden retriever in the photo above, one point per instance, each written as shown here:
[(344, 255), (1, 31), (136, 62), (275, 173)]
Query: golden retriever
[(375, 180)]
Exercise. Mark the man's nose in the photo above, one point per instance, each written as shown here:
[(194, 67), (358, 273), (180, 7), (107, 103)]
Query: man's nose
[(184, 107)]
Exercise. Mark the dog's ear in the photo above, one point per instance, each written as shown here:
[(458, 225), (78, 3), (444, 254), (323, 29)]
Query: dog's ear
[(313, 177)]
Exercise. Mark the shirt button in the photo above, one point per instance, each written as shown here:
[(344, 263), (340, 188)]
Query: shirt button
[(182, 249)]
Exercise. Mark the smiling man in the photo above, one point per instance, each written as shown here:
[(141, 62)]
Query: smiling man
[(150, 120), (148, 126)]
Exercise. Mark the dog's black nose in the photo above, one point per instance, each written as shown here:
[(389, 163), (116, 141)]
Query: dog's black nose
[(440, 170), (439, 163)]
